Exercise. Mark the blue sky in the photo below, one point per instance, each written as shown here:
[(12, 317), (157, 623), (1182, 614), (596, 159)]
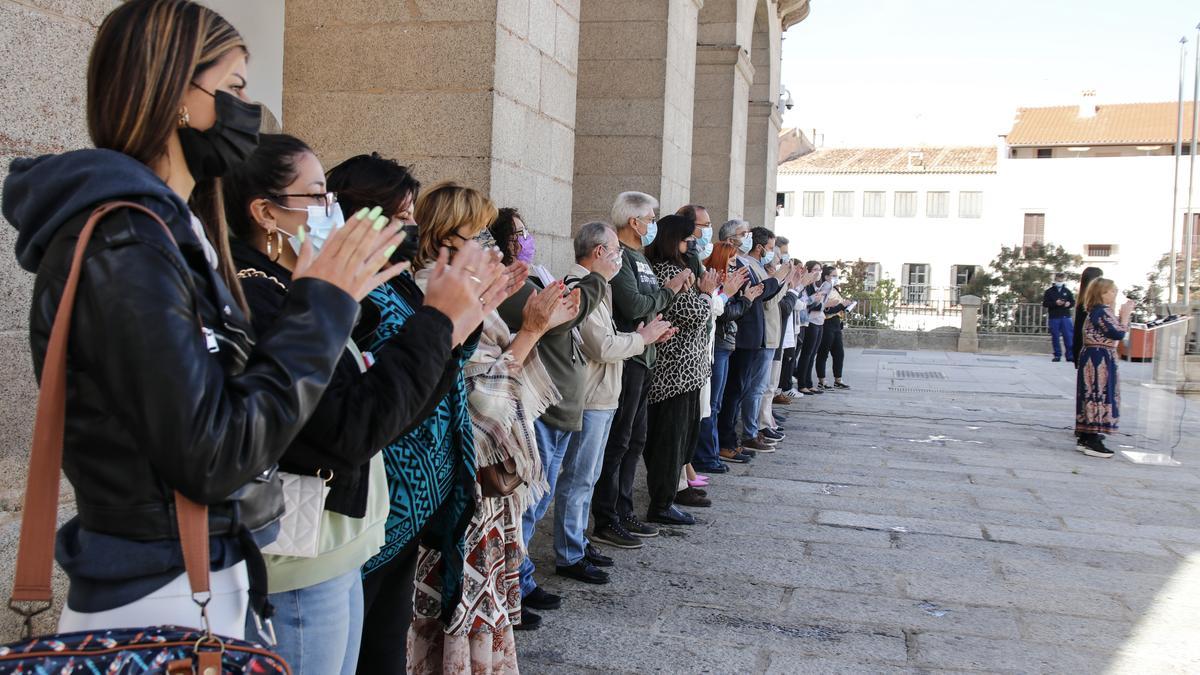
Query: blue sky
[(907, 72)]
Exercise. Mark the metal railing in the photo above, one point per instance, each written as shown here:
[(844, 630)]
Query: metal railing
[(1022, 318), (918, 308)]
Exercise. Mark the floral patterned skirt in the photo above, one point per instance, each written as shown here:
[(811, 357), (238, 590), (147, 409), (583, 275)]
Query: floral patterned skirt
[(479, 638), (1097, 394)]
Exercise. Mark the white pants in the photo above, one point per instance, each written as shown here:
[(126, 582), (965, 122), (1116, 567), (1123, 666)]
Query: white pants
[(172, 605), (766, 411)]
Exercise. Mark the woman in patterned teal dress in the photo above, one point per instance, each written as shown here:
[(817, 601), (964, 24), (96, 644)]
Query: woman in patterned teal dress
[(431, 468), (1097, 392)]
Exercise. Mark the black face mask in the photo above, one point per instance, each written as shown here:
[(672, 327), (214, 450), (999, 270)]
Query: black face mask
[(210, 153), (692, 247)]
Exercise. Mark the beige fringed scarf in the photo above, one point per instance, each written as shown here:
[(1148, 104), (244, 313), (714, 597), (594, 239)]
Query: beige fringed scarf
[(504, 398)]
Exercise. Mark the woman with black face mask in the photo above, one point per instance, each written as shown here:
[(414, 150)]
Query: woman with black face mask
[(170, 401)]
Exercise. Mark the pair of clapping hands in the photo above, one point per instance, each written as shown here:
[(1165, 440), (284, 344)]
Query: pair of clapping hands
[(356, 259)]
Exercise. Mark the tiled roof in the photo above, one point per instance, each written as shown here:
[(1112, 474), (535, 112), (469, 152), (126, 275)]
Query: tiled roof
[(895, 160), (1116, 124)]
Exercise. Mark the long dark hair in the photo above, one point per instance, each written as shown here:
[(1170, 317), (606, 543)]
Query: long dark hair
[(502, 231), (672, 229), (146, 54), (267, 171), (372, 180), (1089, 274)]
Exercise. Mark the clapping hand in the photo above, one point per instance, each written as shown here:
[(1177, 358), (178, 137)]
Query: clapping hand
[(709, 282), (355, 257), (735, 280), (753, 292)]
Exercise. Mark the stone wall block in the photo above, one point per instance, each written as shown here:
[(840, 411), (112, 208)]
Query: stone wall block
[(43, 61), (514, 15), (542, 24), (317, 59), (623, 41), (624, 79), (566, 39), (557, 92), (518, 69), (625, 10), (400, 124), (621, 117)]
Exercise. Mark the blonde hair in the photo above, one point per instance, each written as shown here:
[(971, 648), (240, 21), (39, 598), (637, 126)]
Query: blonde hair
[(1096, 290), (443, 211)]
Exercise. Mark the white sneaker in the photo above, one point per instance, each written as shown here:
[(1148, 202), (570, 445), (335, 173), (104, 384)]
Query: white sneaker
[(792, 393)]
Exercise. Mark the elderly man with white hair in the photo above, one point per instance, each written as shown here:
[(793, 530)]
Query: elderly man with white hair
[(637, 299)]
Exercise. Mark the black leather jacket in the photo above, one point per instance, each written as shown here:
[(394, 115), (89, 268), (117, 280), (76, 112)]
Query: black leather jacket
[(150, 407)]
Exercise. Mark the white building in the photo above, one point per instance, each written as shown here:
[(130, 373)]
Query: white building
[(926, 218), (1095, 179)]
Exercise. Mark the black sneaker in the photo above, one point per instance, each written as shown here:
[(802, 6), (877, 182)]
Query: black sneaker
[(692, 497), (637, 528), (773, 434), (1093, 446), (719, 467), (597, 558), (1056, 359), (614, 534), (583, 571), (539, 599), (529, 620)]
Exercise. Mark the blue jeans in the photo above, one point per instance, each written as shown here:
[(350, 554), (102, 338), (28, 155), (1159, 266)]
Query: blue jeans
[(573, 495), (708, 445), (756, 385), (1062, 330), (318, 628), (552, 445)]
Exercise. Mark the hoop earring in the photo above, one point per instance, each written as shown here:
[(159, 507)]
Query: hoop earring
[(184, 117), (278, 245)]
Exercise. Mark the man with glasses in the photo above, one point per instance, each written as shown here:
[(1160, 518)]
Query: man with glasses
[(637, 299)]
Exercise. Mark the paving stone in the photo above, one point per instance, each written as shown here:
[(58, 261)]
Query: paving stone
[(795, 637), (1073, 631), (1104, 542), (995, 592), (899, 524), (1189, 535), (903, 613), (1003, 656)]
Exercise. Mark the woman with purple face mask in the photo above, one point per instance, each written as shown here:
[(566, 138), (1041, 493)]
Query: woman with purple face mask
[(514, 239)]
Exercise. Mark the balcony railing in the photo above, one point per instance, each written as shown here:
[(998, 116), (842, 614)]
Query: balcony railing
[(1023, 318)]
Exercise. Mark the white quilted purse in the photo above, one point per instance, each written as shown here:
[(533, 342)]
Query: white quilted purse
[(304, 503), (303, 507)]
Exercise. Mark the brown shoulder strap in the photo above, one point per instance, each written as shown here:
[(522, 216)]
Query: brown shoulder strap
[(35, 553)]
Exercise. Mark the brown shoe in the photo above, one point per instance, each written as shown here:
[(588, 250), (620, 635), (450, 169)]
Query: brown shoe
[(759, 444), (780, 399), (733, 456)]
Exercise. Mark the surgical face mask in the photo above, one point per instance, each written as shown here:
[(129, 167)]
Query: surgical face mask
[(834, 281), (526, 248), (747, 243), (706, 251), (705, 237), (1058, 284), (785, 258), (319, 226), (768, 257), (651, 233), (230, 140)]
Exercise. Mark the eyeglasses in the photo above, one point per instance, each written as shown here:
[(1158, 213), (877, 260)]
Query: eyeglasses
[(327, 200)]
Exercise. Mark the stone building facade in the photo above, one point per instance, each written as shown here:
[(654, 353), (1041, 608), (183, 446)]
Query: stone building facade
[(551, 106)]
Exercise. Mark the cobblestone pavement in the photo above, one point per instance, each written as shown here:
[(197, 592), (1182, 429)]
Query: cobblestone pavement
[(937, 518)]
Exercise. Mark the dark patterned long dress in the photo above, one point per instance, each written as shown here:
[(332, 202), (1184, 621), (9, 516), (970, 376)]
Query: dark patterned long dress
[(1097, 394)]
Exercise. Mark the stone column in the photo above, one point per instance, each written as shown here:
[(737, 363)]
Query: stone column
[(762, 159), (482, 93), (968, 334), (723, 77), (634, 112)]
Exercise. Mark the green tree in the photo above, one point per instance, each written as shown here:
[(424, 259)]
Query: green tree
[(876, 305), (1160, 277), (1021, 274)]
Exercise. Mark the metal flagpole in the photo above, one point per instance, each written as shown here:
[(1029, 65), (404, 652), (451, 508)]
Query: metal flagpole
[(1174, 259), (1187, 226)]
